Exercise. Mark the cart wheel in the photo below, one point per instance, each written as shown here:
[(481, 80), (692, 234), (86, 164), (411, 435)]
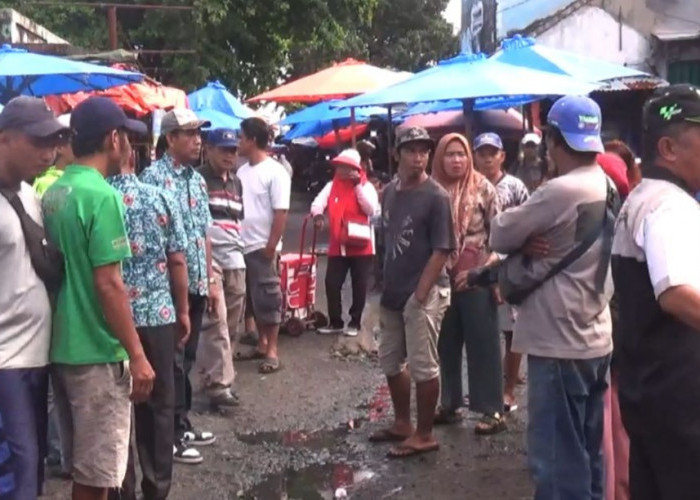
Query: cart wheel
[(295, 327), (319, 320)]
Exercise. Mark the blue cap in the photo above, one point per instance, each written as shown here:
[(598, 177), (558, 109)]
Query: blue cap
[(579, 120), (488, 139), (96, 116), (223, 138)]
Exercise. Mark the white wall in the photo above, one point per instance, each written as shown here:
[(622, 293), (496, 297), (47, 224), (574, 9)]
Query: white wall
[(593, 32)]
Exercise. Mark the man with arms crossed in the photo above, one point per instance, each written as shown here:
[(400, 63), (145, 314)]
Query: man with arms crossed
[(266, 193), (96, 351), (419, 237)]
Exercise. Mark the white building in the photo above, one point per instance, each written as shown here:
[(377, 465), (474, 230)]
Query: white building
[(18, 29)]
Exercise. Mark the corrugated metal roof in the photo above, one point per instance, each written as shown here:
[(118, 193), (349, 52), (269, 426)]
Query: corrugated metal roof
[(619, 84), (672, 29)]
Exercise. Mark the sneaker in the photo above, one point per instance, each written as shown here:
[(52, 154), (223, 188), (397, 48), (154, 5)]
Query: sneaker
[(351, 331), (198, 438), (224, 399), (183, 454), (329, 330)]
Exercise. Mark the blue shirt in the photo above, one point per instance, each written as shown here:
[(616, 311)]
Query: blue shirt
[(155, 230), (189, 191)]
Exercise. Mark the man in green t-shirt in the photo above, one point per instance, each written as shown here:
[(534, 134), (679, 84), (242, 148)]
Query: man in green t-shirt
[(95, 351), (64, 157)]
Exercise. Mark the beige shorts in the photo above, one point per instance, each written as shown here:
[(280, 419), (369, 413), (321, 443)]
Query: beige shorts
[(95, 420), (411, 336)]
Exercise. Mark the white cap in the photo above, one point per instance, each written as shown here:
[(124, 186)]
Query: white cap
[(349, 157), (531, 137)]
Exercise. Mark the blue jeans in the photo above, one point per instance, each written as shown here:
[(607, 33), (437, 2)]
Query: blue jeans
[(565, 430), (23, 400)]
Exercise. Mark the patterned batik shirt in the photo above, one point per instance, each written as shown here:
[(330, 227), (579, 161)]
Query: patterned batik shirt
[(155, 230), (189, 191), (512, 192)]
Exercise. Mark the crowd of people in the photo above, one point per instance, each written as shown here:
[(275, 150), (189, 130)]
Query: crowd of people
[(121, 288)]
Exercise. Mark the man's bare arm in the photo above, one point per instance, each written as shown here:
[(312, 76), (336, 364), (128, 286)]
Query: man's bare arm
[(114, 301), (431, 273), (683, 303), (179, 284), (278, 223)]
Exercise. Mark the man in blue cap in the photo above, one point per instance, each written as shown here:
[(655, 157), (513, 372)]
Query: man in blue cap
[(564, 231), (219, 330)]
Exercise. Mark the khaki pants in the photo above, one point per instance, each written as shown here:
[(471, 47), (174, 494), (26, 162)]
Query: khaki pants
[(217, 342), (411, 336)]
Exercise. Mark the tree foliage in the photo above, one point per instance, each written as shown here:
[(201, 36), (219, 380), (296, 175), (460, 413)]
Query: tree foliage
[(251, 46)]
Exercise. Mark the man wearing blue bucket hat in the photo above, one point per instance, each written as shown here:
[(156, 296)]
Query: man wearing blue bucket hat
[(561, 278)]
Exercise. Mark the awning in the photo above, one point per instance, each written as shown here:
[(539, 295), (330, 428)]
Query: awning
[(669, 29)]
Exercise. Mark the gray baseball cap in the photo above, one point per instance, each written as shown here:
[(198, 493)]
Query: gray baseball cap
[(181, 119), (413, 134), (31, 116)]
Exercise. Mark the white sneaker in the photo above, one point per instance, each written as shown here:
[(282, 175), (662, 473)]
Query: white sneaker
[(182, 454), (198, 438), (329, 330), (351, 332)]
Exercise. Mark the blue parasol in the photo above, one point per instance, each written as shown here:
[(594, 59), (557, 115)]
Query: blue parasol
[(215, 96), (27, 73), (472, 76), (325, 112), (524, 52), (218, 119)]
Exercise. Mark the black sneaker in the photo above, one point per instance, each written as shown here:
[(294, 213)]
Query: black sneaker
[(198, 438), (224, 399), (183, 454)]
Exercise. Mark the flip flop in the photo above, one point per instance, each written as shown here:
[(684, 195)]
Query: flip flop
[(248, 355), (403, 451), (386, 436), (446, 417), (269, 365)]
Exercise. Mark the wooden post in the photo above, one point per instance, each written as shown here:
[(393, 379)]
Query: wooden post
[(112, 27), (468, 111), (352, 127), (389, 142)]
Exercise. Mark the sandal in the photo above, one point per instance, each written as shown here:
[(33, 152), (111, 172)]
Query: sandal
[(447, 417), (248, 355), (406, 451), (269, 365), (489, 425)]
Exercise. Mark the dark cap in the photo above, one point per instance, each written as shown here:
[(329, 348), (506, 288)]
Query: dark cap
[(222, 138), (672, 104), (413, 134), (31, 116), (96, 116), (488, 139)]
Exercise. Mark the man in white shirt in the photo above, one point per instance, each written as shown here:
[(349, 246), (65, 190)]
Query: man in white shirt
[(29, 135), (657, 280), (266, 192)]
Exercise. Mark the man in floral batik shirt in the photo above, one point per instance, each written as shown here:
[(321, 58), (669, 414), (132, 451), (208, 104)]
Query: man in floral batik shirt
[(154, 276), (174, 172)]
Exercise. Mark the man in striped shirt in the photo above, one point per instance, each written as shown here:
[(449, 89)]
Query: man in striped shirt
[(215, 356)]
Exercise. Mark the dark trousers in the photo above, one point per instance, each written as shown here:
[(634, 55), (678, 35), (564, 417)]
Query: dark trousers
[(184, 361), (565, 428), (360, 268), (664, 456), (23, 406), (154, 420), (471, 321)]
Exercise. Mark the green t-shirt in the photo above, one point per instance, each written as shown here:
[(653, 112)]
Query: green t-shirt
[(84, 217)]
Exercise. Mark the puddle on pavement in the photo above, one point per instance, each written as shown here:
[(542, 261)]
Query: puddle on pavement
[(318, 482)]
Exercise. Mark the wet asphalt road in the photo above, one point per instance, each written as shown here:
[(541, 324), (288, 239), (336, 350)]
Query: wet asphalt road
[(302, 433)]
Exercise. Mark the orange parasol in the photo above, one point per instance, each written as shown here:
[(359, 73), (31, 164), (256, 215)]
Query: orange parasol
[(138, 99), (339, 81), (344, 135)]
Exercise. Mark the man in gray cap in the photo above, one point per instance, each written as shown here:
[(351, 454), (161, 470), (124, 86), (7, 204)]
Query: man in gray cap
[(29, 135), (174, 172), (419, 237)]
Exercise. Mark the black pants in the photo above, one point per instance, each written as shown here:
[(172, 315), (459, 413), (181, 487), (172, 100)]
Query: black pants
[(153, 421), (184, 361), (360, 268)]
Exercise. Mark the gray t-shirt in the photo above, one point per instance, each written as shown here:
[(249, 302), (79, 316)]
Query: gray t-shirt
[(416, 222)]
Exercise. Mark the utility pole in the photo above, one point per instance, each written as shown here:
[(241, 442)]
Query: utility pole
[(112, 23)]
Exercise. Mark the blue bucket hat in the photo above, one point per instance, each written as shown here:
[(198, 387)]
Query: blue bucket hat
[(579, 120)]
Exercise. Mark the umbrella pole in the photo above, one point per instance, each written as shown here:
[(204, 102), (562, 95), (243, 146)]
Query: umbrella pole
[(389, 147), (337, 134), (468, 111), (352, 127)]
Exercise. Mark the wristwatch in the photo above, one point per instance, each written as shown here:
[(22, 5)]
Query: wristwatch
[(212, 281)]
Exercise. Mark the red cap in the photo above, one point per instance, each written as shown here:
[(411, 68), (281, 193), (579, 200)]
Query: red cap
[(616, 169)]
